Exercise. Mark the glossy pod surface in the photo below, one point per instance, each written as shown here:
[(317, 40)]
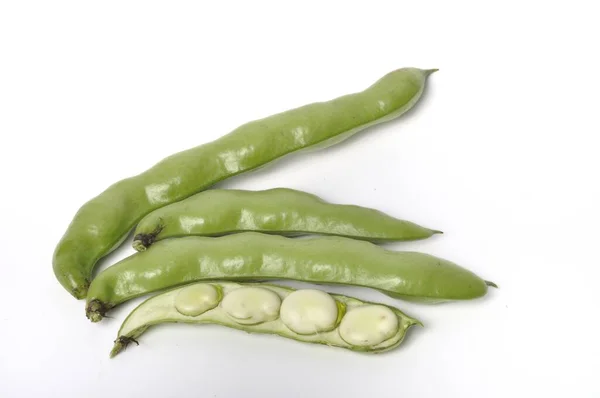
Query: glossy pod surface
[(350, 323), (251, 256), (103, 222), (280, 210)]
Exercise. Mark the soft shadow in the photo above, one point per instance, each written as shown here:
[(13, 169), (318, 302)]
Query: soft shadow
[(125, 249)]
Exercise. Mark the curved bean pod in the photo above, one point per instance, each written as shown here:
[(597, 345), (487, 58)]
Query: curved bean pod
[(251, 256), (102, 223), (332, 319), (280, 210)]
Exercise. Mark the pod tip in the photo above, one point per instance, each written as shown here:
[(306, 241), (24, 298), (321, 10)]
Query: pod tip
[(430, 71), (79, 291), (492, 284), (120, 344), (117, 348)]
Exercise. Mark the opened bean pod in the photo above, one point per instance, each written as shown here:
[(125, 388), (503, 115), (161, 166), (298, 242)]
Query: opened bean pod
[(280, 211), (252, 256), (305, 315), (102, 223)]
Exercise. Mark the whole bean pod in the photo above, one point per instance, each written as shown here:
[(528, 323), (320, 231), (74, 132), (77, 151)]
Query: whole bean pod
[(305, 315), (102, 224), (251, 256), (280, 211)]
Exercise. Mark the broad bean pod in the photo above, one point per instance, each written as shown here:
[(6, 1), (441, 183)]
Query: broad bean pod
[(253, 256), (279, 211), (305, 315)]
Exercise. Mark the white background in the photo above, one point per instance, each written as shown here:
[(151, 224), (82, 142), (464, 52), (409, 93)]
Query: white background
[(501, 154)]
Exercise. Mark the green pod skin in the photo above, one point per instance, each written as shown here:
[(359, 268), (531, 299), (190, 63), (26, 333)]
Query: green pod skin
[(101, 224), (252, 256), (279, 211), (162, 308)]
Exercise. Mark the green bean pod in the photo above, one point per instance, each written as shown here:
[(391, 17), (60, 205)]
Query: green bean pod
[(102, 223), (305, 315), (252, 256), (280, 211)]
